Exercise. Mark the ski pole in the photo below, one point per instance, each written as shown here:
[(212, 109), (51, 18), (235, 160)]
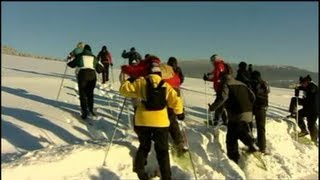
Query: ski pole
[(64, 74), (297, 118), (190, 156), (113, 134), (206, 105), (112, 76)]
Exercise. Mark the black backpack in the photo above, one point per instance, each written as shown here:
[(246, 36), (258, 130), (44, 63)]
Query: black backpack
[(156, 96)]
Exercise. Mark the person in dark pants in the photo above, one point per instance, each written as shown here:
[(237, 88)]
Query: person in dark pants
[(87, 64), (310, 109), (174, 129), (261, 90), (238, 100), (293, 102), (152, 125), (105, 58)]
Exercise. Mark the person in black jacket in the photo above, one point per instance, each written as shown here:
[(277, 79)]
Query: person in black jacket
[(174, 129), (243, 74), (261, 90), (238, 100), (132, 55), (87, 64), (310, 109)]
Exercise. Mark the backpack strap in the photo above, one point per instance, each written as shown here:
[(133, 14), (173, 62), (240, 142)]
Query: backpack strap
[(160, 84)]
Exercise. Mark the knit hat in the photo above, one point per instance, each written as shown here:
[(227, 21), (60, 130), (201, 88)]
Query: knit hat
[(81, 45), (215, 57)]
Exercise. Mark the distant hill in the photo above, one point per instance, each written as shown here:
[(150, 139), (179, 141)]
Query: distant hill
[(12, 51), (276, 76)]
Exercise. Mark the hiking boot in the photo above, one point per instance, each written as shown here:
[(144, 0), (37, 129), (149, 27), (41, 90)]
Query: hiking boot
[(181, 149), (303, 133), (253, 148), (265, 152), (93, 114), (84, 115), (142, 175)]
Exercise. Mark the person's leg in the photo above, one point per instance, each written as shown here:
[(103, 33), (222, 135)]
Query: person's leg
[(293, 107), (232, 142), (224, 116), (261, 123), (245, 136), (144, 136), (312, 127), (217, 115), (174, 129), (82, 84), (301, 115), (104, 74), (160, 137), (107, 72), (90, 94)]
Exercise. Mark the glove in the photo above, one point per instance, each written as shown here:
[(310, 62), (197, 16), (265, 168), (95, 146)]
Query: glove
[(210, 107), (131, 79), (205, 77), (180, 116)]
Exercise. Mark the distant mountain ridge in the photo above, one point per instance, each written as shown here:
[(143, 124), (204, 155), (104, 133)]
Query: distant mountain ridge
[(283, 76), (5, 49)]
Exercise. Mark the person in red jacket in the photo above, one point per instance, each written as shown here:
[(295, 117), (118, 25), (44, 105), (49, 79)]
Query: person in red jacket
[(214, 76), (104, 57)]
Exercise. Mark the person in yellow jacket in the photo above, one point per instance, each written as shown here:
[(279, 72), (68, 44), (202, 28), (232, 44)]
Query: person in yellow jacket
[(152, 124)]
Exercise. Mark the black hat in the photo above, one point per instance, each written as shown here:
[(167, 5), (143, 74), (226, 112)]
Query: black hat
[(104, 47), (307, 78), (242, 65), (87, 47), (132, 49)]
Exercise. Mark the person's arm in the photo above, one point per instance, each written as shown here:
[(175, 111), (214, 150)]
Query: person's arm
[(179, 71), (132, 89), (173, 100), (222, 96), (73, 62), (124, 54), (110, 58)]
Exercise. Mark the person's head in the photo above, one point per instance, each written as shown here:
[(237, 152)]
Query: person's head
[(132, 49), (104, 48), (172, 61), (250, 67), (80, 45), (155, 69), (242, 65), (87, 48), (305, 81), (228, 71), (146, 56), (215, 58), (256, 75)]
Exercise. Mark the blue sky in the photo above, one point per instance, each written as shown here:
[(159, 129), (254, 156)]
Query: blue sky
[(264, 33)]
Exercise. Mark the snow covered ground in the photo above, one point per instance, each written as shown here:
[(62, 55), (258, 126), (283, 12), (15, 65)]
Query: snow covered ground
[(42, 138)]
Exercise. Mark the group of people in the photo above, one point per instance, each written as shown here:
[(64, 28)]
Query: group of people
[(154, 89), (237, 100)]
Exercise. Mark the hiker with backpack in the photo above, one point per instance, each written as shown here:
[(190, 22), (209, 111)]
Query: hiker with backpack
[(243, 74), (104, 56), (238, 100), (88, 65), (261, 90), (214, 76), (131, 55), (151, 119)]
